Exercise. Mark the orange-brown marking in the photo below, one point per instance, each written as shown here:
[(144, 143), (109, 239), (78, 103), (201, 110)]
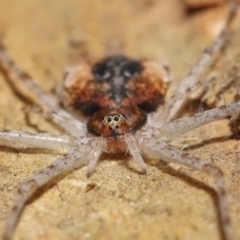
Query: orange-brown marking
[(86, 93), (83, 93), (147, 91), (116, 122)]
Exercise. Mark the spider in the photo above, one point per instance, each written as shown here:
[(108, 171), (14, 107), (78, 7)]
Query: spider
[(118, 105)]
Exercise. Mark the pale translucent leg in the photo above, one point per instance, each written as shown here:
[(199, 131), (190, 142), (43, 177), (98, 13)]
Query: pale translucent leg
[(98, 146), (26, 80), (67, 122), (205, 59), (182, 125), (58, 115), (135, 152), (76, 157), (160, 149), (38, 140)]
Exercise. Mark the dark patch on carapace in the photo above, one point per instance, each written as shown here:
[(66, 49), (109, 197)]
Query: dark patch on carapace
[(113, 83), (87, 108), (116, 71)]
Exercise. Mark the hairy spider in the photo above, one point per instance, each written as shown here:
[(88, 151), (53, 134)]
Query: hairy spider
[(123, 102)]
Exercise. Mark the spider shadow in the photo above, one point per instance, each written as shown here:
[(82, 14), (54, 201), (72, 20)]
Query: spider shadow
[(27, 100), (124, 159), (42, 190), (15, 90), (161, 165), (22, 97), (166, 168), (33, 150), (105, 157), (196, 183), (218, 139)]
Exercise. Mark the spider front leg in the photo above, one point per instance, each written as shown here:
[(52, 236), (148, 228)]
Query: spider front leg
[(26, 80), (76, 157), (54, 112), (62, 118), (204, 61), (182, 125), (160, 149), (37, 140)]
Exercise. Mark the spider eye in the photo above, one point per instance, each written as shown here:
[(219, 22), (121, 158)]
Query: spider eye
[(116, 122)]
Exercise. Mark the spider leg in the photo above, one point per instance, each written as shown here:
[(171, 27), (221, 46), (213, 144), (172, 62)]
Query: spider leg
[(74, 158), (56, 114), (61, 118), (163, 150), (135, 152), (67, 122), (205, 59), (39, 140), (182, 125), (98, 146), (26, 80)]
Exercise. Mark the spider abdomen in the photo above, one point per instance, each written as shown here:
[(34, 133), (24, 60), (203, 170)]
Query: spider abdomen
[(115, 82)]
